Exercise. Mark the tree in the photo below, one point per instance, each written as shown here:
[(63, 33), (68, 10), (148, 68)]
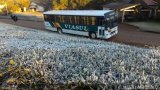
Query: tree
[(12, 6), (22, 3), (15, 5), (60, 4), (79, 4), (69, 4), (47, 4)]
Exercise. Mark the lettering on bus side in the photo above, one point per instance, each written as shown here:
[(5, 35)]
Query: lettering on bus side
[(75, 27)]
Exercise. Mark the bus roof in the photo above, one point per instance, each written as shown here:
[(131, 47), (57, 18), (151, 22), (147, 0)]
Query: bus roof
[(78, 12)]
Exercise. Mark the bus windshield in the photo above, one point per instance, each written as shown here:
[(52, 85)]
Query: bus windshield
[(111, 22)]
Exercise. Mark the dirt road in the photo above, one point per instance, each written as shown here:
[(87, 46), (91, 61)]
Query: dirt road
[(127, 34)]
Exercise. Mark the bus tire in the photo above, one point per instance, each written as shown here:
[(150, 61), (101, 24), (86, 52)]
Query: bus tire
[(92, 35), (59, 30)]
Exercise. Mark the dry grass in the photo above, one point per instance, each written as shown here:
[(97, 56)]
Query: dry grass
[(18, 74)]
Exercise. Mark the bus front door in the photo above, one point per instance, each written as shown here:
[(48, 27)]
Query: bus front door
[(101, 31)]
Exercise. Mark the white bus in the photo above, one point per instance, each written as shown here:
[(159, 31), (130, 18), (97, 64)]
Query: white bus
[(92, 23)]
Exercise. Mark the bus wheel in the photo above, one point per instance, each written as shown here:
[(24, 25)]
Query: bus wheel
[(92, 35), (59, 30)]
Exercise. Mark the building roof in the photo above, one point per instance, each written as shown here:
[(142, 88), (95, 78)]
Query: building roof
[(118, 5), (150, 2), (113, 5), (79, 12)]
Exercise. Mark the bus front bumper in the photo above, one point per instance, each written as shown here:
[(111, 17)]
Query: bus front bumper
[(113, 32)]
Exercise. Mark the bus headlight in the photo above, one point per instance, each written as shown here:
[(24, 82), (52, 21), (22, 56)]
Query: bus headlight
[(109, 30)]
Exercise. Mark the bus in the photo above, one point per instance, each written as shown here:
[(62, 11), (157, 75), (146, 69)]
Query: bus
[(92, 23)]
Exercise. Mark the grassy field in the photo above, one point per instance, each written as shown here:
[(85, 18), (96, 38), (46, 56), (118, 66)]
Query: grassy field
[(36, 59)]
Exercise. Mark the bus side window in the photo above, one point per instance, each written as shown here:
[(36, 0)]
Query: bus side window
[(70, 19), (55, 18), (52, 18), (81, 21), (49, 18), (78, 19), (65, 19), (75, 19), (84, 20), (87, 20), (62, 19), (58, 18), (99, 21), (93, 20), (90, 20)]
